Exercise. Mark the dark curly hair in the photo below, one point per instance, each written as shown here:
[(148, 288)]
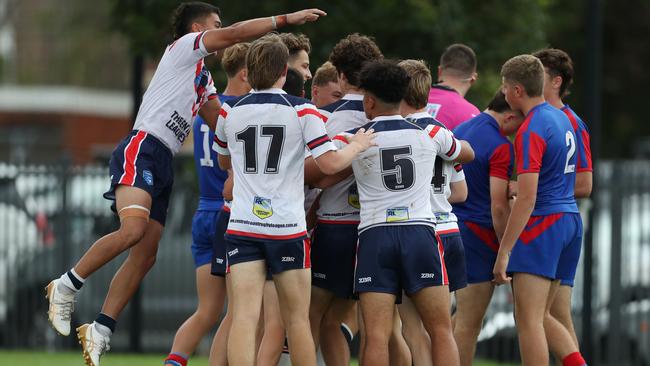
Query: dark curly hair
[(558, 63), (187, 13), (296, 43), (384, 79), (351, 53)]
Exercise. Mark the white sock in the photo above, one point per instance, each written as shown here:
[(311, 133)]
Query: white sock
[(102, 329), (65, 285)]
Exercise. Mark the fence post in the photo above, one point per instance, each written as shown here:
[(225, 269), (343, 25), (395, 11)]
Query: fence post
[(614, 327)]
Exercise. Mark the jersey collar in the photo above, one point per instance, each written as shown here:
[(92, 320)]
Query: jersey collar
[(535, 108), (388, 118), (418, 115), (271, 91), (351, 96)]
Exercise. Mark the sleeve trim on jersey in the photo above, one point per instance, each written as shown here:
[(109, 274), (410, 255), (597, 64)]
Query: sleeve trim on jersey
[(223, 113), (434, 131), (584, 170), (197, 41), (340, 138), (306, 111), (212, 96), (221, 144), (318, 142), (458, 168), (452, 150)]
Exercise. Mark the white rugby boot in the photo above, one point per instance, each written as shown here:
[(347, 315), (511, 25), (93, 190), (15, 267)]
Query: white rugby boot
[(61, 307), (93, 343)]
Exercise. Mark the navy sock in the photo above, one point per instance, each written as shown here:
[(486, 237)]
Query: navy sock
[(75, 281), (106, 321)]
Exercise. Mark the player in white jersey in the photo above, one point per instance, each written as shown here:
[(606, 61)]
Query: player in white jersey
[(262, 136), (141, 169), (398, 248), (335, 235), (447, 177)]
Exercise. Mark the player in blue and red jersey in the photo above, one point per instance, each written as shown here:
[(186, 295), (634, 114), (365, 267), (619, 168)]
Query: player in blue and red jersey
[(558, 68), (482, 217), (211, 216), (542, 239)]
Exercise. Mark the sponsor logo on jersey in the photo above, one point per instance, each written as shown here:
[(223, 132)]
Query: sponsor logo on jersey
[(353, 196), (262, 207), (433, 109), (397, 214), (148, 177), (320, 275), (233, 252), (442, 216), (427, 275), (365, 279), (219, 260), (288, 259)]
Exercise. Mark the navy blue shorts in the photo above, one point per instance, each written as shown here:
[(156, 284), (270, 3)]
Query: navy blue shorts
[(481, 248), (141, 160), (279, 255), (333, 252), (219, 261), (549, 247), (399, 257), (454, 260)]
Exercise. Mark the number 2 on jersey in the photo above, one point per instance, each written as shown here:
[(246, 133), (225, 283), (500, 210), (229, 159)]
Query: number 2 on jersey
[(571, 144), (249, 138)]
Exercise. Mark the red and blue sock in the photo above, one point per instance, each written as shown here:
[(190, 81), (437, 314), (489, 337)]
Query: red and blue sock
[(176, 359)]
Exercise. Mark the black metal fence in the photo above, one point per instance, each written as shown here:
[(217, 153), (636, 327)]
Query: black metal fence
[(49, 215)]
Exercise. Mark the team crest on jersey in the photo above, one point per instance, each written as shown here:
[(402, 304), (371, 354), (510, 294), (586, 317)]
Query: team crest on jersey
[(397, 214), (442, 216), (148, 177), (353, 196), (262, 207)]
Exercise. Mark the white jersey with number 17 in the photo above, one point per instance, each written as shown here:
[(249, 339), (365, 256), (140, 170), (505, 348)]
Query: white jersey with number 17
[(265, 133), (394, 177)]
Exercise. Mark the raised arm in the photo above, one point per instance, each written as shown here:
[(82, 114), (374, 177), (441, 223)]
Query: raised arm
[(219, 39)]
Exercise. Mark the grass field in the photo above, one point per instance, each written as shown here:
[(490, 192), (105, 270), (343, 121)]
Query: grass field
[(112, 359)]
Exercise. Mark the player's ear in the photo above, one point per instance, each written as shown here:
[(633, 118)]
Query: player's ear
[(286, 68), (556, 82), (196, 27)]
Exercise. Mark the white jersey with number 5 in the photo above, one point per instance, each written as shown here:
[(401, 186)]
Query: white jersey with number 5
[(180, 86), (394, 177), (265, 134)]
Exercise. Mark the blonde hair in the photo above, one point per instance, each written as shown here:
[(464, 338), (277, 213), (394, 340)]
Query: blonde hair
[(234, 58), (417, 92), (526, 70), (266, 60), (325, 74)]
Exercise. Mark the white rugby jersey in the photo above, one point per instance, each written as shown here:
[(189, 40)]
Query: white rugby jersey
[(340, 202), (394, 177), (180, 86), (265, 134), (444, 173)]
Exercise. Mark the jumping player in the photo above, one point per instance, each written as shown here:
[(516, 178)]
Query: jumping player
[(263, 137), (398, 248), (141, 165), (541, 243), (558, 77), (482, 217), (456, 75)]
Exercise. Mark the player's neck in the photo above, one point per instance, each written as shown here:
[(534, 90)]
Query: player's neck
[(461, 87), (556, 102), (350, 89), (496, 116), (530, 103), (236, 89), (386, 112), (407, 110)]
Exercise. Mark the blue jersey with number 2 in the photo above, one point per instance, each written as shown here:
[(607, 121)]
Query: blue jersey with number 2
[(546, 144)]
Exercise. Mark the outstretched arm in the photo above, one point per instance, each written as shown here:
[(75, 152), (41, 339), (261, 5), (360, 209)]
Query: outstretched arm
[(218, 39)]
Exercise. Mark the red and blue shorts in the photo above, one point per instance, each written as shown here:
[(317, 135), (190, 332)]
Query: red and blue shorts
[(481, 248), (549, 247), (141, 160), (454, 259)]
